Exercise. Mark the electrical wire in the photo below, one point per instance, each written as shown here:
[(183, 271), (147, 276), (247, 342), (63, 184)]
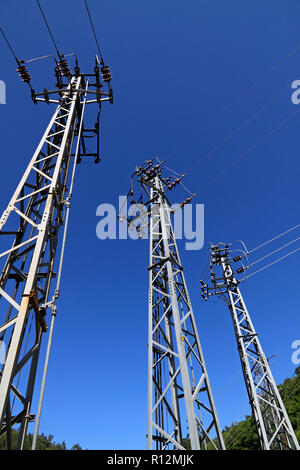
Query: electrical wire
[(172, 171), (94, 32), (237, 433), (272, 239), (49, 30), (186, 189), (24, 353), (266, 136), (238, 98), (205, 271), (45, 57), (230, 136), (270, 264), (39, 58), (243, 124), (9, 45), (273, 252)]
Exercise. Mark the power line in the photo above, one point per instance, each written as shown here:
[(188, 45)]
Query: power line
[(249, 150), (49, 30), (94, 32), (205, 271), (272, 239), (270, 264), (226, 108), (224, 141), (273, 252), (10, 47)]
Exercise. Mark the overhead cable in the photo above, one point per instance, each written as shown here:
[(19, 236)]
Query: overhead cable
[(94, 32), (229, 137), (270, 264), (242, 155), (238, 98), (49, 30), (273, 252), (274, 238), (10, 47)]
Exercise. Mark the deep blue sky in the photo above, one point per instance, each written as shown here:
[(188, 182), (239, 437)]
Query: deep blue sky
[(175, 65)]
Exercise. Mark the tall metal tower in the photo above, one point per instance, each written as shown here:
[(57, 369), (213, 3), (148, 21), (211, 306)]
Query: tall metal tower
[(273, 425), (180, 400), (29, 229)]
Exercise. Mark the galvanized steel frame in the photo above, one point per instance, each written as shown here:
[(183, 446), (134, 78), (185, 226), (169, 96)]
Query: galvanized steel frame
[(33, 218), (178, 385)]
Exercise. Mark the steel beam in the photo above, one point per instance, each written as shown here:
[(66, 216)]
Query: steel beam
[(180, 400)]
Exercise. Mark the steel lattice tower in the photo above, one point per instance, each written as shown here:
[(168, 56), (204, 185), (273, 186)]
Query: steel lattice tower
[(273, 424), (29, 230), (179, 392)]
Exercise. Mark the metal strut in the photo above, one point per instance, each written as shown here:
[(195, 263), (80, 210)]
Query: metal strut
[(273, 424), (29, 238), (180, 401)]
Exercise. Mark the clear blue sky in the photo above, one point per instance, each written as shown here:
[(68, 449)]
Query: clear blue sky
[(174, 65)]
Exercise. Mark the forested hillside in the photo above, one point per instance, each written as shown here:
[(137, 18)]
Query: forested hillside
[(43, 443), (243, 435)]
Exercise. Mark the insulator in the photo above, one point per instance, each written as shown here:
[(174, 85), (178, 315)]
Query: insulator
[(188, 199), (105, 72), (24, 74), (63, 67), (240, 270), (237, 258)]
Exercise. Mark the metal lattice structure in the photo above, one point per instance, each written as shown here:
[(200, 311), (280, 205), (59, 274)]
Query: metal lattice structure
[(273, 424), (29, 229), (180, 400)]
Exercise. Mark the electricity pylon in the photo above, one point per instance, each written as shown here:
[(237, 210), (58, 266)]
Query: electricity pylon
[(180, 400), (272, 422), (29, 230)]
